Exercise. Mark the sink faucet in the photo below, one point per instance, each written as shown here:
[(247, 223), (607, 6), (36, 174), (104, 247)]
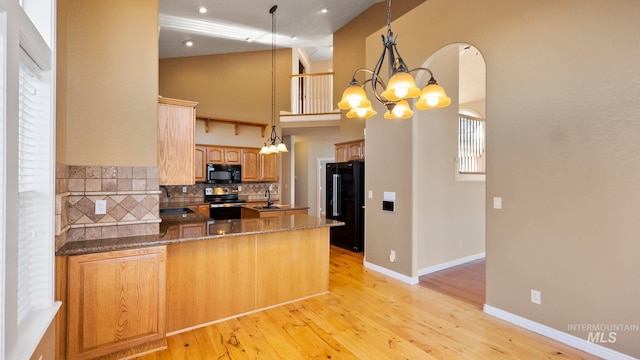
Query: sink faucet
[(267, 194)]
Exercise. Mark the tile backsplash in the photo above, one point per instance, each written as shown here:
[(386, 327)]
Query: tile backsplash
[(247, 191), (133, 198), (131, 195)]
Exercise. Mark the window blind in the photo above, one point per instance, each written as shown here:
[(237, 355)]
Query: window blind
[(35, 261)]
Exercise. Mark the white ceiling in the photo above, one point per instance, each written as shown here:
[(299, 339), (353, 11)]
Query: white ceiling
[(228, 23)]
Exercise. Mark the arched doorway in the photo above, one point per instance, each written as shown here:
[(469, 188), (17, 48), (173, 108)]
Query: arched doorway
[(450, 209)]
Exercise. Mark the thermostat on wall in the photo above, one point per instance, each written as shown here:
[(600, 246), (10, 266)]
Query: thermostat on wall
[(388, 206)]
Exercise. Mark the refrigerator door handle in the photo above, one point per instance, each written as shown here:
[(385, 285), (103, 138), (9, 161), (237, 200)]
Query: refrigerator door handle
[(336, 194)]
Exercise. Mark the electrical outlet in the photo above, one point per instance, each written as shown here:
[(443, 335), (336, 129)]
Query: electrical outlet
[(392, 256), (536, 297), (184, 189), (270, 187), (101, 207)]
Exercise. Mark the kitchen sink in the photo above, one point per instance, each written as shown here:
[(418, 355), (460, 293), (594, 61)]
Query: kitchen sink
[(176, 211)]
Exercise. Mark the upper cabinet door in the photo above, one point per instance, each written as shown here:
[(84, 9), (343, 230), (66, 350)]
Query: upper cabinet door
[(233, 155), (341, 153), (176, 141), (200, 163), (215, 155), (269, 168), (250, 165)]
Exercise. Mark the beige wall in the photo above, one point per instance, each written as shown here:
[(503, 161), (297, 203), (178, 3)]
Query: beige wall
[(349, 55), (229, 86), (562, 154), (316, 148), (107, 82), (301, 178)]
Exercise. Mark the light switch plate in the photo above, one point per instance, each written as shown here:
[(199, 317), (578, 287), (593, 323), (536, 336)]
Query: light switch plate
[(497, 203), (101, 207)]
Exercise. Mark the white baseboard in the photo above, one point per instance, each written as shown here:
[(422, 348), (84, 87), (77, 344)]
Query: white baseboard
[(391, 273), (452, 263), (571, 340)]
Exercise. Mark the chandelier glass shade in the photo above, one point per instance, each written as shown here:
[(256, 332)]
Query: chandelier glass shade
[(274, 144), (401, 86)]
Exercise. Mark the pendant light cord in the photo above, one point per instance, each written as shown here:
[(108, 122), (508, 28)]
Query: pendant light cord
[(273, 66)]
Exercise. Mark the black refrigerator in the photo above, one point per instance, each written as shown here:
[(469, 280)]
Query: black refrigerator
[(345, 202)]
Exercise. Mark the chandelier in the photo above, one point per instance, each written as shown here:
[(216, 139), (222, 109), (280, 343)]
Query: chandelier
[(275, 144), (401, 86)]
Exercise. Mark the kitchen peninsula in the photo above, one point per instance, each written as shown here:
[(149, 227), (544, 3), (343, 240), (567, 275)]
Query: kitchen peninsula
[(125, 295)]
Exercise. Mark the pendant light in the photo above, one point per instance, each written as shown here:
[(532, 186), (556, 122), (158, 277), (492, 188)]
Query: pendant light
[(275, 143), (394, 95)]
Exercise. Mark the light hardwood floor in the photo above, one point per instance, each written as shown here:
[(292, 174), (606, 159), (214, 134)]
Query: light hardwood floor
[(464, 282), (366, 315)]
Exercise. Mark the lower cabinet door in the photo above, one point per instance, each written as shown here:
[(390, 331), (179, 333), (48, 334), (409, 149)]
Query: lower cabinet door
[(116, 300)]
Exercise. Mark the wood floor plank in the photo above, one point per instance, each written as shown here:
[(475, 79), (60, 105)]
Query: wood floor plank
[(366, 315)]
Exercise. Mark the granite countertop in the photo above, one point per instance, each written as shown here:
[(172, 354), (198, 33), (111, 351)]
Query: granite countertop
[(275, 207), (176, 204), (211, 229)]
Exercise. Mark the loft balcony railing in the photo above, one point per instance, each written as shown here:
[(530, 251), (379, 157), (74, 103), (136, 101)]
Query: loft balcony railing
[(312, 94)]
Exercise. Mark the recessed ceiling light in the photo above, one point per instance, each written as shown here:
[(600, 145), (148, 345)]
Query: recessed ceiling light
[(202, 9), (188, 43), (324, 11), (294, 37), (249, 40)]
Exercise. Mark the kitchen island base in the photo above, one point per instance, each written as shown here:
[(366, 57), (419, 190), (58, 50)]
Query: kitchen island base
[(239, 267), (215, 279)]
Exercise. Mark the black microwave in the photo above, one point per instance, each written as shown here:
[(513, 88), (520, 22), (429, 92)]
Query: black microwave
[(223, 174)]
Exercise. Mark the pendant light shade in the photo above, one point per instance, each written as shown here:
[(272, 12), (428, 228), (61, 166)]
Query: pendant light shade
[(432, 96), (362, 113), (402, 110), (353, 97), (401, 86)]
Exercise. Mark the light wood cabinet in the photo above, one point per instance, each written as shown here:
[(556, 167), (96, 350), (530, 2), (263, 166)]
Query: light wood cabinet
[(356, 150), (341, 152), (192, 231), (116, 301), (212, 154), (200, 163), (222, 155), (250, 165), (350, 150), (255, 167), (209, 280), (233, 155), (278, 257), (269, 168), (176, 141), (215, 154)]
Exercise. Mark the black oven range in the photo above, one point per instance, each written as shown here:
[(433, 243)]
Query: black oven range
[(224, 202)]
